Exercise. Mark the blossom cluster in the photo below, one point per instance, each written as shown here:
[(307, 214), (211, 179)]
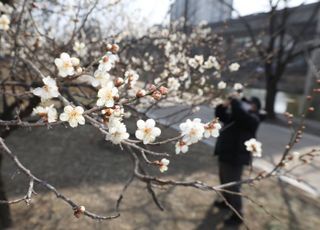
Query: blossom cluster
[(192, 131), (254, 146), (72, 115), (110, 91), (5, 11)]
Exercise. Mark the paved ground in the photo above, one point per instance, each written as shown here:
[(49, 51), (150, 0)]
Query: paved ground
[(80, 164), (273, 137)]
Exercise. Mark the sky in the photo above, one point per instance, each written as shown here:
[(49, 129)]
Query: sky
[(155, 11)]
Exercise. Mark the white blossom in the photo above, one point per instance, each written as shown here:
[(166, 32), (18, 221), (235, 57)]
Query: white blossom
[(212, 129), (102, 78), (108, 61), (147, 132), (254, 146), (234, 67), (193, 63), (49, 90), (131, 77), (66, 64), (74, 115), (187, 84), (173, 84), (106, 95), (181, 147), (117, 132), (200, 92), (238, 86), (192, 131), (48, 112), (199, 59), (80, 48), (4, 22), (5, 8), (184, 77), (163, 165), (212, 62), (157, 80), (222, 85), (202, 81)]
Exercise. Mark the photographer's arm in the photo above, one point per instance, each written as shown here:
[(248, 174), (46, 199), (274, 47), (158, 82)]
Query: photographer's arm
[(221, 112), (240, 115)]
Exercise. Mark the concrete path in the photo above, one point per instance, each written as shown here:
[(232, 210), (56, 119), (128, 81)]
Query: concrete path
[(273, 137)]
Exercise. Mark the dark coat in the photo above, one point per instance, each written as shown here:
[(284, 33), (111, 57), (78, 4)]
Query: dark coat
[(239, 126)]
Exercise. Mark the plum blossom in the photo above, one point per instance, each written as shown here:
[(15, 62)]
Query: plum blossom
[(66, 64), (238, 86), (222, 85), (131, 77), (173, 84), (74, 115), (181, 147), (187, 84), (193, 63), (108, 61), (80, 48), (212, 129), (5, 8), (49, 90), (117, 132), (48, 113), (234, 67), (101, 78), (4, 22), (199, 59), (192, 131), (106, 95), (212, 62), (163, 165), (196, 61), (254, 146), (157, 80), (147, 132), (202, 81)]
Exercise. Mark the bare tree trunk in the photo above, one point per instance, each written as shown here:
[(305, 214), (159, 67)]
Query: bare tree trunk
[(271, 97), (5, 215)]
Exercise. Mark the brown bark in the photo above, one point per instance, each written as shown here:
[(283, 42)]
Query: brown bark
[(271, 93)]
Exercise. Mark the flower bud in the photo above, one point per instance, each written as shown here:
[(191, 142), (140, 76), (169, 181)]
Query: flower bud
[(79, 211), (163, 90), (108, 47), (152, 88), (311, 109), (141, 93), (114, 48), (118, 82), (156, 95), (105, 59), (79, 70), (108, 112)]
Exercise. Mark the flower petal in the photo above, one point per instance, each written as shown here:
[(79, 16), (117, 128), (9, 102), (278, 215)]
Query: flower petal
[(141, 124)]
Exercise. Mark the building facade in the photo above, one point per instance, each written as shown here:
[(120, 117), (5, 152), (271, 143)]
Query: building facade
[(197, 11)]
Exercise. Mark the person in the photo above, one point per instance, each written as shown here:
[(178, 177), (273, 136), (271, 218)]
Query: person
[(240, 118)]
